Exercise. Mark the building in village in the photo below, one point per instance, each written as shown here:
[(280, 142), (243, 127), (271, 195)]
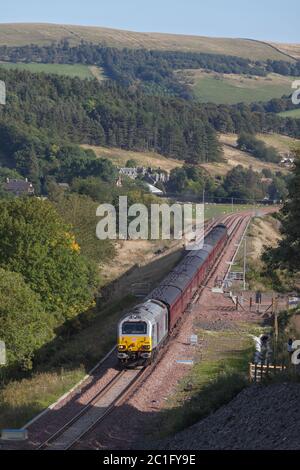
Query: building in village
[(19, 187)]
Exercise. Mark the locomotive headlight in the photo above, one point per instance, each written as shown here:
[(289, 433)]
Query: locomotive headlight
[(121, 347), (146, 347)]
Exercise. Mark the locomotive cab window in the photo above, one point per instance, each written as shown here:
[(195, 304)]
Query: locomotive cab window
[(134, 328)]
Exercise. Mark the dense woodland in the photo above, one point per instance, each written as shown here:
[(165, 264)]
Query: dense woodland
[(86, 112), (154, 69), (44, 112), (252, 119), (241, 185)]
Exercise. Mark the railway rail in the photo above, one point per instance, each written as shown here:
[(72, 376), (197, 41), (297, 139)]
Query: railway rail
[(119, 388), (94, 412)]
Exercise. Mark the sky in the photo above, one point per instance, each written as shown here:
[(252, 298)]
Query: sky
[(273, 20)]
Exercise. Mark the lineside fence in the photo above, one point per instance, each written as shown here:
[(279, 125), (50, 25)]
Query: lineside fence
[(257, 372)]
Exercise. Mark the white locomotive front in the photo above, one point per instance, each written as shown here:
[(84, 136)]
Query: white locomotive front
[(142, 332)]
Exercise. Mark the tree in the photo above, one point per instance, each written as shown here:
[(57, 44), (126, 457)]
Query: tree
[(287, 254), (24, 324), (36, 243), (277, 190), (243, 184), (80, 212), (190, 179), (131, 163), (178, 180), (257, 148)]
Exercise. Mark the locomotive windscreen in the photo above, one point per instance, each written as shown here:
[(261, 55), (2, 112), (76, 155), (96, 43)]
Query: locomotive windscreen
[(134, 328)]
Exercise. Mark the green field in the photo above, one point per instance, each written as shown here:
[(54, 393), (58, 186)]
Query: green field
[(229, 89), (19, 34), (293, 113), (216, 210), (77, 70), (282, 143)]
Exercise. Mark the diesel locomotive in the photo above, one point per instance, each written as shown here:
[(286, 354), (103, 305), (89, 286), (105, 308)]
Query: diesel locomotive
[(145, 330)]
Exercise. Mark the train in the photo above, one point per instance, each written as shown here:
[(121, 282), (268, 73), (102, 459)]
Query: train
[(144, 331)]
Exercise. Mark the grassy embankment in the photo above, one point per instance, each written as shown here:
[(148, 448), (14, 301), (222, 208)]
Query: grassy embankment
[(220, 371), (23, 398), (262, 233)]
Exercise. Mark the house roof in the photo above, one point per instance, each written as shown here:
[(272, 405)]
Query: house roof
[(19, 186)]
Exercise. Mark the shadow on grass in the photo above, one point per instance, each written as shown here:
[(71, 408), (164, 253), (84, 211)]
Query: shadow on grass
[(212, 385)]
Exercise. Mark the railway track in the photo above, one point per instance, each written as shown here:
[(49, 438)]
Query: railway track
[(233, 223), (122, 384), (95, 411)]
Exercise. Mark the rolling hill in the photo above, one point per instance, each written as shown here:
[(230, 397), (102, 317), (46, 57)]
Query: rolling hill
[(232, 155), (18, 34), (119, 157), (290, 49)]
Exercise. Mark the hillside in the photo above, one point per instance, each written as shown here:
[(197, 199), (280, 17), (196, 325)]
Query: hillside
[(78, 70), (233, 156), (259, 417), (119, 157), (18, 34), (290, 49), (233, 88), (282, 143)]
